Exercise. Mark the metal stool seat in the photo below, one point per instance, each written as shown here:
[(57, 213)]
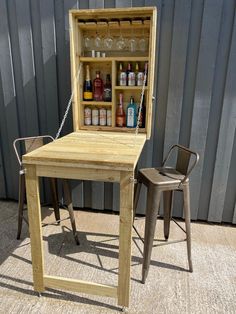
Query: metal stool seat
[(30, 144), (165, 180)]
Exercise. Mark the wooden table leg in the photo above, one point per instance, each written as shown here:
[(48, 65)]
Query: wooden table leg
[(125, 236), (34, 214)]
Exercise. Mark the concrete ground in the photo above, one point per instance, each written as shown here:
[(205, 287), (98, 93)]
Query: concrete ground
[(169, 288)]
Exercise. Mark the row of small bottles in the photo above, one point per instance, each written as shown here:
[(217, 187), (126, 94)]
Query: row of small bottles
[(97, 90), (129, 77), (97, 116), (130, 117)]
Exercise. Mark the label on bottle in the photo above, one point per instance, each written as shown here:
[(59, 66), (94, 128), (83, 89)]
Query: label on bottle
[(102, 116), (130, 117), (109, 117), (131, 79), (87, 116), (95, 116), (107, 94), (123, 78), (88, 95), (119, 121), (140, 79)]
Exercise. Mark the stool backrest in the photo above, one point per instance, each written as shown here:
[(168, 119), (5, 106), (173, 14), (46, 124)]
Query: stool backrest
[(183, 160), (30, 144)]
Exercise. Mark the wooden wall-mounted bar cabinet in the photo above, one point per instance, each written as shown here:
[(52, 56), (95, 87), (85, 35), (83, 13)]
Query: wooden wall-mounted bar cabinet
[(131, 36)]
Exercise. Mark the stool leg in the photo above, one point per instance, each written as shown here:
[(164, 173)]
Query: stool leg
[(187, 223), (68, 200), (137, 189), (54, 193), (21, 203), (168, 197), (153, 202)]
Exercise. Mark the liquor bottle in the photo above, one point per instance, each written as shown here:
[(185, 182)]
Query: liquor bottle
[(98, 87), (131, 78), (131, 120), (142, 115), (107, 89), (139, 76), (136, 72), (127, 73), (122, 76), (88, 88), (120, 113)]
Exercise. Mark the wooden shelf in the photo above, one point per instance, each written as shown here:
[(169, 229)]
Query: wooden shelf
[(96, 103), (110, 128), (130, 87), (105, 59)]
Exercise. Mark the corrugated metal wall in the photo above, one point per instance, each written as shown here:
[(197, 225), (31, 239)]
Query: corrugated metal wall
[(196, 93)]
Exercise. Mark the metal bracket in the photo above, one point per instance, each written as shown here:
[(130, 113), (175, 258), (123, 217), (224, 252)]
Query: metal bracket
[(22, 171), (133, 180)]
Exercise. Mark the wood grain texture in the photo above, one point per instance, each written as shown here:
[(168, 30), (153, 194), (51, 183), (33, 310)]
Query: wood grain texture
[(126, 221), (80, 286), (34, 214), (107, 150)]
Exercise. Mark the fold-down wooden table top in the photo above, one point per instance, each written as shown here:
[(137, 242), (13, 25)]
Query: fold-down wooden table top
[(100, 150)]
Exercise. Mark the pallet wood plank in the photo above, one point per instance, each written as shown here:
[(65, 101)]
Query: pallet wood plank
[(34, 214), (80, 286), (125, 236)]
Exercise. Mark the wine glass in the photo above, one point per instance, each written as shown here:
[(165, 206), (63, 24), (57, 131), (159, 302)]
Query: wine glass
[(132, 42), (97, 40), (87, 41), (143, 43), (108, 40), (120, 44)]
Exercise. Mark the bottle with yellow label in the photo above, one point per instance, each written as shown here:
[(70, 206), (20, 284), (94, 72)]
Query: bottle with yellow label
[(88, 88)]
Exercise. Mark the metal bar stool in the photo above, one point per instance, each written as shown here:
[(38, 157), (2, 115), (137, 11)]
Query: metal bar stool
[(30, 144), (165, 179)]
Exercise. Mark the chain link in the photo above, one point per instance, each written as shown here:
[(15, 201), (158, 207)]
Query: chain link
[(68, 106), (141, 100)]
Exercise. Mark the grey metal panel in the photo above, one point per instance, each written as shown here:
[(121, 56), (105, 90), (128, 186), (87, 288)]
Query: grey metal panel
[(2, 167), (191, 70), (234, 217), (49, 64), (109, 3), (123, 3), (203, 92), (229, 214), (226, 98), (10, 127), (163, 68), (195, 77), (176, 87)]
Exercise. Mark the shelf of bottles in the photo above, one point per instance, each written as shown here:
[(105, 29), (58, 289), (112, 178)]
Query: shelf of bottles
[(111, 92), (114, 55)]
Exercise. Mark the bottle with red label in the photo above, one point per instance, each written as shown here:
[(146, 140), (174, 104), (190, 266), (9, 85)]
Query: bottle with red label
[(98, 87), (120, 113)]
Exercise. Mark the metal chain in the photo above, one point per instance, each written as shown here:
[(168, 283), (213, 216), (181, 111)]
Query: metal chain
[(141, 100), (68, 106)]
